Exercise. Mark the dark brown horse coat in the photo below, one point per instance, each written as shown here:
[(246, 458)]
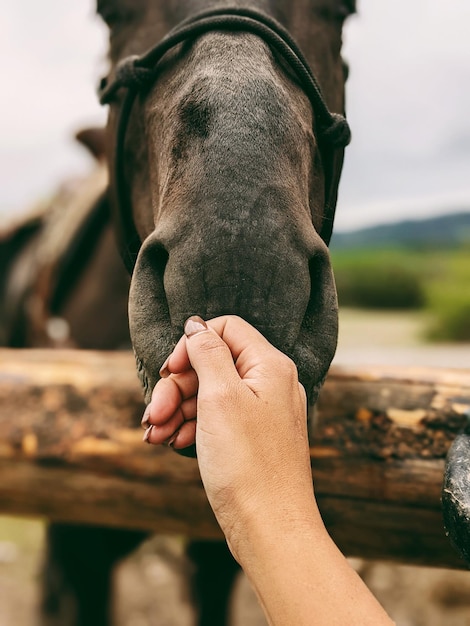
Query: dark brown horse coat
[(226, 180)]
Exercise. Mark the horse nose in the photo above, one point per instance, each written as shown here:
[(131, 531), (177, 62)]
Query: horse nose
[(285, 289), (150, 326), (257, 284)]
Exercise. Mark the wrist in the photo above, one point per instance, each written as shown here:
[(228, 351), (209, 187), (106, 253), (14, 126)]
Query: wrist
[(277, 561), (298, 572), (262, 527)]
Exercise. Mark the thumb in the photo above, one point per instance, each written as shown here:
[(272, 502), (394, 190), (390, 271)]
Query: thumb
[(209, 355)]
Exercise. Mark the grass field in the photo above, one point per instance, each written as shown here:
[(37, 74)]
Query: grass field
[(436, 280)]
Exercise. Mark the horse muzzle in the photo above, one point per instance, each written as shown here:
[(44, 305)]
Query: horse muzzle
[(288, 295)]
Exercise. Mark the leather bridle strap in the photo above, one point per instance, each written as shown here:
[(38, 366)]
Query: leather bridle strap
[(137, 73)]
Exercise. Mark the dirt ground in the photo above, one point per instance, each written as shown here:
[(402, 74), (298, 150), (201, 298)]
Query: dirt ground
[(384, 338), (150, 585)]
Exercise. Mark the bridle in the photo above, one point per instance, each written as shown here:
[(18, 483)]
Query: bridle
[(137, 73)]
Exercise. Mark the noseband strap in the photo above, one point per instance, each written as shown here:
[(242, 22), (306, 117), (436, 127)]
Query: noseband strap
[(135, 74)]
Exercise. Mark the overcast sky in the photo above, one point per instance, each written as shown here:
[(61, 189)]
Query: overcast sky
[(408, 104)]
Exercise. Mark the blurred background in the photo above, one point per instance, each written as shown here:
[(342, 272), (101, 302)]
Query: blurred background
[(401, 248)]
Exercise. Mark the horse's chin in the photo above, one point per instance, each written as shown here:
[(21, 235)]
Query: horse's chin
[(312, 351)]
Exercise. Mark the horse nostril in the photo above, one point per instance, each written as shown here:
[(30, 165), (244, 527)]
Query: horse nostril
[(322, 285), (159, 259), (153, 261), (316, 343), (150, 326)]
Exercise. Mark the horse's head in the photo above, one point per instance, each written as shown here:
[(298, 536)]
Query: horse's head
[(226, 169)]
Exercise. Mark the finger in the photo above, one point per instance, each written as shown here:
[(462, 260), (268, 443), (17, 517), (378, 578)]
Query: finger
[(186, 383), (303, 394), (209, 355), (261, 366), (240, 337), (168, 395), (145, 417), (178, 361), (185, 437), (161, 433)]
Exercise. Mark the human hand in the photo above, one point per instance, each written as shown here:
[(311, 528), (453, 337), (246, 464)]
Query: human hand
[(229, 390)]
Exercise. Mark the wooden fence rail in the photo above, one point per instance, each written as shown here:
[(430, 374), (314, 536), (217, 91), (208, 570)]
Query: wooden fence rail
[(71, 450)]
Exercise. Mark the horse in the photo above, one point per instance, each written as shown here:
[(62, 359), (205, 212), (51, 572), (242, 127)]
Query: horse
[(224, 152), (225, 144), (62, 279)]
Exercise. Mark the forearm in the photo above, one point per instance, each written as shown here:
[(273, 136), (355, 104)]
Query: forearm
[(239, 398), (302, 578)]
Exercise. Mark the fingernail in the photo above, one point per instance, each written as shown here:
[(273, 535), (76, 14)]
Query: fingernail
[(147, 434), (145, 418), (164, 371), (194, 325), (171, 440)]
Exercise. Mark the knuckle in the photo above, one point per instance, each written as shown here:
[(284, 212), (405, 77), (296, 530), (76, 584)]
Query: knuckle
[(285, 370), (221, 394), (287, 365), (210, 345), (303, 393)]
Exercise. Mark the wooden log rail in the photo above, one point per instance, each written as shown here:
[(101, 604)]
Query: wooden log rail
[(71, 450)]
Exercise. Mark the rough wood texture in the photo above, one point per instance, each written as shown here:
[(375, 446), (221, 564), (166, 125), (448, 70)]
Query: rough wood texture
[(71, 449)]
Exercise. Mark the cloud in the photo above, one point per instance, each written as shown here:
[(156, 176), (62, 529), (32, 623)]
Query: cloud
[(52, 52), (408, 101)]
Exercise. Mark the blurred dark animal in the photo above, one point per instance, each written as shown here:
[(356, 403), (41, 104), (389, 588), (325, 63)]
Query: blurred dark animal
[(61, 274), (63, 284)]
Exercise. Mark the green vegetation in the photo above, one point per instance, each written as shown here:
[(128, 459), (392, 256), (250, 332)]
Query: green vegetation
[(379, 286), (437, 279), (449, 298)]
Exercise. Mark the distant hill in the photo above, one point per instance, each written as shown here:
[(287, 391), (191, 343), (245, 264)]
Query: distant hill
[(444, 231)]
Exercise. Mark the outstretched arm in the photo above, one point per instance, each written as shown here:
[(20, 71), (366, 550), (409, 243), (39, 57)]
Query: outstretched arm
[(226, 388)]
